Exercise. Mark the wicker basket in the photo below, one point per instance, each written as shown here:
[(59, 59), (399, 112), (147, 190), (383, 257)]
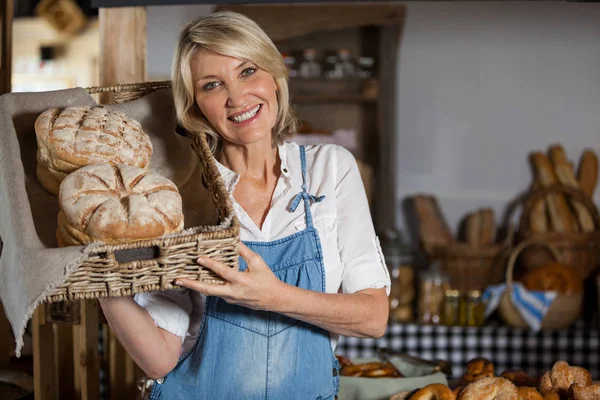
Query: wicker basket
[(563, 311), (473, 268), (117, 270), (577, 250)]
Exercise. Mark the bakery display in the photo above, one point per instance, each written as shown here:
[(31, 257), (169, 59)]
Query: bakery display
[(561, 377), (116, 203), (73, 137)]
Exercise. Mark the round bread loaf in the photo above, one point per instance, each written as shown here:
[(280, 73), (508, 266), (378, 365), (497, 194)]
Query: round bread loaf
[(114, 203), (553, 277), (73, 137)]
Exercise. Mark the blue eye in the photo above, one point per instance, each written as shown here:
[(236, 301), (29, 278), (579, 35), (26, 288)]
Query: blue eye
[(248, 71), (210, 86)]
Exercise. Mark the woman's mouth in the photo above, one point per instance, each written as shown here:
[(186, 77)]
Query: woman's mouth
[(247, 116)]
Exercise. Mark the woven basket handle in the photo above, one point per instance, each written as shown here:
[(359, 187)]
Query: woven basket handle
[(517, 251), (537, 195)]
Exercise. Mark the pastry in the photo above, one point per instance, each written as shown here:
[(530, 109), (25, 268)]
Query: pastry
[(528, 393), (73, 137), (578, 391), (520, 378), (116, 203), (562, 376), (478, 368), (434, 391), (489, 389)]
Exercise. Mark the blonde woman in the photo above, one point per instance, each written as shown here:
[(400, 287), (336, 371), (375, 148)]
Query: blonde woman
[(311, 267)]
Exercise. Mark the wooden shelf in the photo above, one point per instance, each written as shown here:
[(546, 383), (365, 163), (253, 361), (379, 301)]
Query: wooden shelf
[(326, 98)]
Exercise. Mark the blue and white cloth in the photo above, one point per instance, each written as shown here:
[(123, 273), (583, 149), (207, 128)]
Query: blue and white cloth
[(531, 304)]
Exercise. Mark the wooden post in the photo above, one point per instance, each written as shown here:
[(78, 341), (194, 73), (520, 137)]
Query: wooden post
[(123, 47), (86, 363), (123, 52), (6, 13), (45, 371)]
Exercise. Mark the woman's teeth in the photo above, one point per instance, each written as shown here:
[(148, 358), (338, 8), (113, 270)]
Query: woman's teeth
[(247, 115)]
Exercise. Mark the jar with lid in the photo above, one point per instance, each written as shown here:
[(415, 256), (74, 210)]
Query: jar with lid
[(310, 67), (432, 290), (451, 308), (474, 308), (399, 258)]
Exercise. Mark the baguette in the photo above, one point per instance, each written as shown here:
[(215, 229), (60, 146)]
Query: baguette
[(538, 218), (566, 177), (480, 227), (433, 230), (561, 218), (587, 173)]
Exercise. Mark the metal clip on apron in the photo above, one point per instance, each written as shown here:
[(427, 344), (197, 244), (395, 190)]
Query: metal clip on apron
[(246, 354)]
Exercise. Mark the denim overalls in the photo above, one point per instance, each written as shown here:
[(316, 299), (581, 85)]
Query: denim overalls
[(246, 354)]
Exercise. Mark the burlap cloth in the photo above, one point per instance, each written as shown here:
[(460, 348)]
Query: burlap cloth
[(31, 264)]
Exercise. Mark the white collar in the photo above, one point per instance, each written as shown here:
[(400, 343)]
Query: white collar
[(231, 178)]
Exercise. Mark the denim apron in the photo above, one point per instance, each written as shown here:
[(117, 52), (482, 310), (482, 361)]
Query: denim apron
[(247, 354)]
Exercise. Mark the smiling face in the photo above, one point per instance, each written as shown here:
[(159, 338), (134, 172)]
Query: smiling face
[(238, 99)]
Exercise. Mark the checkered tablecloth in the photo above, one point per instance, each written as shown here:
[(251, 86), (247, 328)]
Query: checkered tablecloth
[(506, 347)]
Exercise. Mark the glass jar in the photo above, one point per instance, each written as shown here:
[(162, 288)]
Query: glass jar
[(432, 291), (399, 259), (310, 67), (475, 308), (451, 310)]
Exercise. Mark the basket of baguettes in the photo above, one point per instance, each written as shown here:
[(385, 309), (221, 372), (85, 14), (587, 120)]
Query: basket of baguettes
[(481, 382), (559, 210), (96, 161), (475, 256)]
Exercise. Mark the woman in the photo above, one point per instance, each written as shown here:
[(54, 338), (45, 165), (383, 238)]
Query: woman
[(311, 268)]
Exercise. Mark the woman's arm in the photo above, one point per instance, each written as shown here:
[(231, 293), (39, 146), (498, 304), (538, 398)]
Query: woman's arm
[(361, 314), (154, 350)]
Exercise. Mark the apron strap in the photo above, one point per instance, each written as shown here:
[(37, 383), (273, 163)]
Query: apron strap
[(304, 194)]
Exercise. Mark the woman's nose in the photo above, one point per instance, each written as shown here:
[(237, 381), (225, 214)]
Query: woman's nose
[(236, 95)]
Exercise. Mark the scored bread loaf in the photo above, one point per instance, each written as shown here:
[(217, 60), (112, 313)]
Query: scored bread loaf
[(73, 137), (566, 176), (433, 229), (561, 218), (115, 203)]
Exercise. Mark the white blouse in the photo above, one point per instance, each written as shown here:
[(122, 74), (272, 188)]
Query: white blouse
[(352, 255)]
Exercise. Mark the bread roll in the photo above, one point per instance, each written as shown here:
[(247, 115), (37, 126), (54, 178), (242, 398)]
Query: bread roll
[(587, 173), (561, 218), (116, 203), (553, 277), (74, 137), (564, 172)]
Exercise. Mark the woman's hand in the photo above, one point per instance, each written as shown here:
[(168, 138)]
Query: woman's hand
[(255, 288)]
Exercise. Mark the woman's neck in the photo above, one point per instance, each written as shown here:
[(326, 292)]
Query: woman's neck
[(257, 162)]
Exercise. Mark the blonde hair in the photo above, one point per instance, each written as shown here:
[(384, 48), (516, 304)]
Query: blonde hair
[(234, 35)]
